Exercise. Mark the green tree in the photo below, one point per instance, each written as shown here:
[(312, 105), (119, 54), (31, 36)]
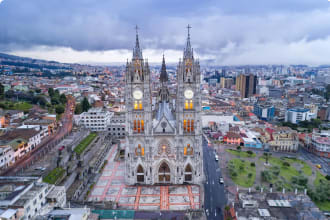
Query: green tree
[(239, 148), (63, 99), (85, 105), (54, 100), (78, 109), (59, 109), (2, 92), (51, 92), (37, 90)]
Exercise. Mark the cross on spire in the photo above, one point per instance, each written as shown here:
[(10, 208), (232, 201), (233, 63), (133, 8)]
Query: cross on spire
[(136, 29), (188, 53), (188, 27)]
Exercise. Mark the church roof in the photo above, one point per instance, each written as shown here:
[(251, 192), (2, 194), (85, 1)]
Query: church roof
[(164, 110)]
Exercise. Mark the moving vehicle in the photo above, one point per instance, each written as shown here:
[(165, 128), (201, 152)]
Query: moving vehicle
[(216, 158), (319, 166), (221, 180)]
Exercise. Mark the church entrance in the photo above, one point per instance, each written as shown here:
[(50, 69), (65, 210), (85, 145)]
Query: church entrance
[(188, 173), (140, 174), (164, 173)]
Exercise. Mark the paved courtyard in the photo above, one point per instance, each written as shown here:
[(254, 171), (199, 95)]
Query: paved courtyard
[(111, 186)]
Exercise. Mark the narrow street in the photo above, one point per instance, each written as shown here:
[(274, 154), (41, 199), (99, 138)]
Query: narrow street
[(46, 144), (215, 199)]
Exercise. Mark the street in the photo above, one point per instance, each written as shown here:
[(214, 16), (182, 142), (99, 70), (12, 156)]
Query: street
[(46, 144), (307, 156), (214, 199)]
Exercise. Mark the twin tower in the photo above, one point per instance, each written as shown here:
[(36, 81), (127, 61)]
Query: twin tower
[(164, 141)]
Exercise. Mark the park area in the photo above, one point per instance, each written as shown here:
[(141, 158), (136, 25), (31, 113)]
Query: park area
[(85, 142), (9, 105), (54, 175), (248, 170)]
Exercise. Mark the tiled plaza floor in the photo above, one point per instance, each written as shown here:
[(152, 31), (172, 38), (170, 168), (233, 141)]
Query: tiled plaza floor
[(111, 186)]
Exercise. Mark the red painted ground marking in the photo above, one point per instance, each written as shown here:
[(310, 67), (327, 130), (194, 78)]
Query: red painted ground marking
[(191, 197), (167, 199), (137, 198), (119, 193)]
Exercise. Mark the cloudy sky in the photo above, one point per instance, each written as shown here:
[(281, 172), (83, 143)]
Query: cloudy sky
[(231, 32)]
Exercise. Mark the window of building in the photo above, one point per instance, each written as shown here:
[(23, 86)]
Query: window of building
[(139, 151)]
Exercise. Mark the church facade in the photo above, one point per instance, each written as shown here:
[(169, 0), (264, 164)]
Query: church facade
[(163, 142)]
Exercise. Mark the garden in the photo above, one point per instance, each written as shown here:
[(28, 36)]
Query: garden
[(84, 143)]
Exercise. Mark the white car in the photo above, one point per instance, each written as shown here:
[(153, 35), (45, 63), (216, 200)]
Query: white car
[(216, 158), (221, 180)]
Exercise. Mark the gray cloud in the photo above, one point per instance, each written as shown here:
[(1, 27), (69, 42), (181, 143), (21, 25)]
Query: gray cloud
[(227, 30)]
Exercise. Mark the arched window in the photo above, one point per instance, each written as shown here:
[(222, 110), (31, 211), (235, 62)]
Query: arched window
[(140, 174), (188, 173), (184, 125), (191, 104), (164, 173)]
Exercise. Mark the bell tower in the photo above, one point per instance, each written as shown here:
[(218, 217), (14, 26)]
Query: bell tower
[(138, 113)]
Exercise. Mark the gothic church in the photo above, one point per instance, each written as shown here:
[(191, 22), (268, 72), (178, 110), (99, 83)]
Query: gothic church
[(163, 142)]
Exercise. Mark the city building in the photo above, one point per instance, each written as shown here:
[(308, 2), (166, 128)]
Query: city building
[(163, 145), (27, 195), (283, 139), (6, 156), (296, 115), (96, 119), (226, 82), (264, 111), (320, 144), (117, 125), (247, 85), (274, 206)]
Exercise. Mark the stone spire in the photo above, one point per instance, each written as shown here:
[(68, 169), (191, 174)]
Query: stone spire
[(163, 74), (137, 52), (188, 52)]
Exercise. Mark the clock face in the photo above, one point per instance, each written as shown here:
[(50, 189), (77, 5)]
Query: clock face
[(137, 94), (188, 93)]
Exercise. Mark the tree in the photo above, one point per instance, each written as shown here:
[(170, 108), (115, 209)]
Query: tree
[(85, 105), (38, 90), (327, 177), (51, 92), (63, 99), (267, 156), (253, 164), (59, 109), (78, 109), (54, 100), (249, 152), (2, 92), (239, 148)]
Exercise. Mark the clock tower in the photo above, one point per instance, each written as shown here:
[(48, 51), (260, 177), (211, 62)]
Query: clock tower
[(164, 145)]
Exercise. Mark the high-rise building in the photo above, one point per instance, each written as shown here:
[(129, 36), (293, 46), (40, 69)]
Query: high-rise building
[(164, 145), (246, 84), (226, 82)]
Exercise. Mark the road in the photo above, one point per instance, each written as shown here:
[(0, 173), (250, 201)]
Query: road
[(214, 194), (48, 142), (307, 156)]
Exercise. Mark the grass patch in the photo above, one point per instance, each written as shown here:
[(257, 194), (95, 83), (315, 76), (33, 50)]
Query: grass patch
[(282, 173), (241, 172), (319, 177), (9, 105), (54, 175), (241, 153), (324, 206), (84, 143)]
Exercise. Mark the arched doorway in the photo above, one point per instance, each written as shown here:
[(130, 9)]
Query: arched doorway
[(164, 173), (140, 174), (188, 173)]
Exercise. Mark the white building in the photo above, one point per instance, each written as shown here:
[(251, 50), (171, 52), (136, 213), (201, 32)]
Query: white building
[(117, 125), (296, 115), (96, 119), (6, 156)]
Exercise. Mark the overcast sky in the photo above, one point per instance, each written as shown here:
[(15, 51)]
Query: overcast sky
[(232, 32)]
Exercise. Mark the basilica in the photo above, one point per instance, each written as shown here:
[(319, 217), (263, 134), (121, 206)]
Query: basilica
[(164, 137)]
